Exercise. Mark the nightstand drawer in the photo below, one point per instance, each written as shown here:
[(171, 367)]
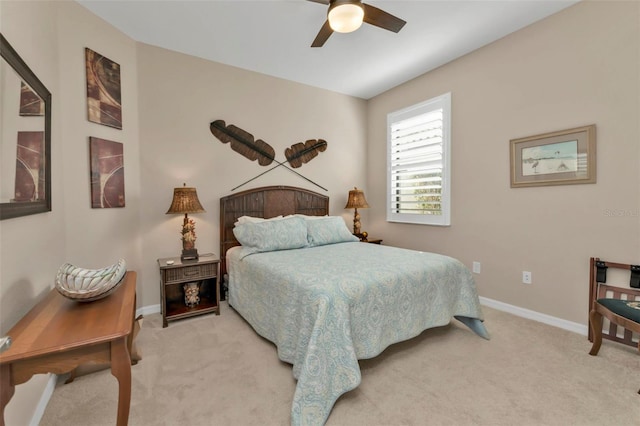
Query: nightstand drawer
[(189, 273)]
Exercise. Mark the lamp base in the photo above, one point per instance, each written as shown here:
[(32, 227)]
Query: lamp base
[(363, 236), (189, 254)]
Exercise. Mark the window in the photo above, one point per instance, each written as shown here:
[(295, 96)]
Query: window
[(418, 163)]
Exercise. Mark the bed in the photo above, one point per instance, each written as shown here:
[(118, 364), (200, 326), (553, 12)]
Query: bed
[(325, 299)]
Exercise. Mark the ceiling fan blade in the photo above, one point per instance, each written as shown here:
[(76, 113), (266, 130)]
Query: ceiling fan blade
[(320, 1), (382, 19), (323, 35)]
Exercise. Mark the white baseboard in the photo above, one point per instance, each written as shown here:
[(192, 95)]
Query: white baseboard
[(148, 310), (536, 316), (44, 400)]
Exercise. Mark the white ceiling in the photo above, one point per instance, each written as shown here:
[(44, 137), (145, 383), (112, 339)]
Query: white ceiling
[(273, 36)]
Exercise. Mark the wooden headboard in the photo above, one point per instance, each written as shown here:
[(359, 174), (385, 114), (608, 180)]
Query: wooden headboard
[(266, 202)]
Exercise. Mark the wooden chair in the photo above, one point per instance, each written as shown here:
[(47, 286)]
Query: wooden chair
[(620, 305)]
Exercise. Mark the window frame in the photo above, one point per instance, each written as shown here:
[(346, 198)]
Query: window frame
[(439, 102)]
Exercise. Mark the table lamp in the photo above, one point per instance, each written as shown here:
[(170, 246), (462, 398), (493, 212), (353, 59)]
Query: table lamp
[(185, 200), (356, 201)]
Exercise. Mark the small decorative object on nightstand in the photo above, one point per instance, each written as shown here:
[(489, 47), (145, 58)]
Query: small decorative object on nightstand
[(376, 241), (364, 238), (185, 200), (356, 201), (189, 288), (191, 294)]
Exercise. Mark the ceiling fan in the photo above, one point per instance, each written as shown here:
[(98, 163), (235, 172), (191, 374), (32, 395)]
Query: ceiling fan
[(345, 16)]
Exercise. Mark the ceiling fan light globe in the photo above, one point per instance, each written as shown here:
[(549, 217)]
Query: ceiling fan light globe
[(346, 17)]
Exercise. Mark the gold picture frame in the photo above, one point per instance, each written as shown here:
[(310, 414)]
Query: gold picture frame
[(564, 157)]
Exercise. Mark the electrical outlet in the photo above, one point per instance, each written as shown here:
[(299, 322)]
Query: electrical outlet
[(476, 267), (526, 277)]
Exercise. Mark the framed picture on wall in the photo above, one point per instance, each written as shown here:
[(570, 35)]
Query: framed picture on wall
[(107, 173), (558, 158), (103, 90)]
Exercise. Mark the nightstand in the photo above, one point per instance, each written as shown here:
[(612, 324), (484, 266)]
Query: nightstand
[(189, 288)]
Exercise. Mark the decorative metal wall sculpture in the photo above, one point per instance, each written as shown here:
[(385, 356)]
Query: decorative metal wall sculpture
[(243, 142), (300, 153), (246, 145)]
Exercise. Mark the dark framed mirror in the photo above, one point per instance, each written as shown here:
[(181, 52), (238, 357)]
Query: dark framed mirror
[(25, 139)]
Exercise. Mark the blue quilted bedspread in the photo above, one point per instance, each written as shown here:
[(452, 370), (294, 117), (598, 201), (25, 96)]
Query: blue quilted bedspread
[(326, 307)]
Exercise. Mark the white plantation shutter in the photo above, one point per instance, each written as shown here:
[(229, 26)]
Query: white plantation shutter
[(418, 170)]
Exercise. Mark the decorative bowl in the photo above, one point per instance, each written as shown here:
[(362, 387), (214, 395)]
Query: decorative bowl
[(87, 285)]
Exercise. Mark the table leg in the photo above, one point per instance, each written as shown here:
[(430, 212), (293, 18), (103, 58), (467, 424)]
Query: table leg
[(121, 369), (6, 389)]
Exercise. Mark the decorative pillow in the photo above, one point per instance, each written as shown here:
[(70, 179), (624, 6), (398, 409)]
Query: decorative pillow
[(328, 230), (251, 219), (271, 235)]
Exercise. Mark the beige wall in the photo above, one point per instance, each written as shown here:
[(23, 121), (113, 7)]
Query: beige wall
[(578, 67), (180, 95), (72, 231), (51, 38), (96, 237)]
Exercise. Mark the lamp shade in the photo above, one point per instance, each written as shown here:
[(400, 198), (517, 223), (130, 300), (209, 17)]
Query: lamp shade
[(345, 16), (356, 200), (185, 200)]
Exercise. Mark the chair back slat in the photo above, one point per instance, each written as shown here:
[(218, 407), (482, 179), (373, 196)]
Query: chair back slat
[(628, 336)]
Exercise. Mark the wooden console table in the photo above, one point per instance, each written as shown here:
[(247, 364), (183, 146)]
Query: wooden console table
[(59, 334)]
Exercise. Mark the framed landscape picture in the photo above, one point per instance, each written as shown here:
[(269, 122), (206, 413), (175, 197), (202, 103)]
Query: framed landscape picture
[(107, 173), (103, 90), (558, 158)]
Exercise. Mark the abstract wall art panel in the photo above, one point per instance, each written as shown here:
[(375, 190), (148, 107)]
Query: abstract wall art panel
[(103, 90), (107, 173)]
